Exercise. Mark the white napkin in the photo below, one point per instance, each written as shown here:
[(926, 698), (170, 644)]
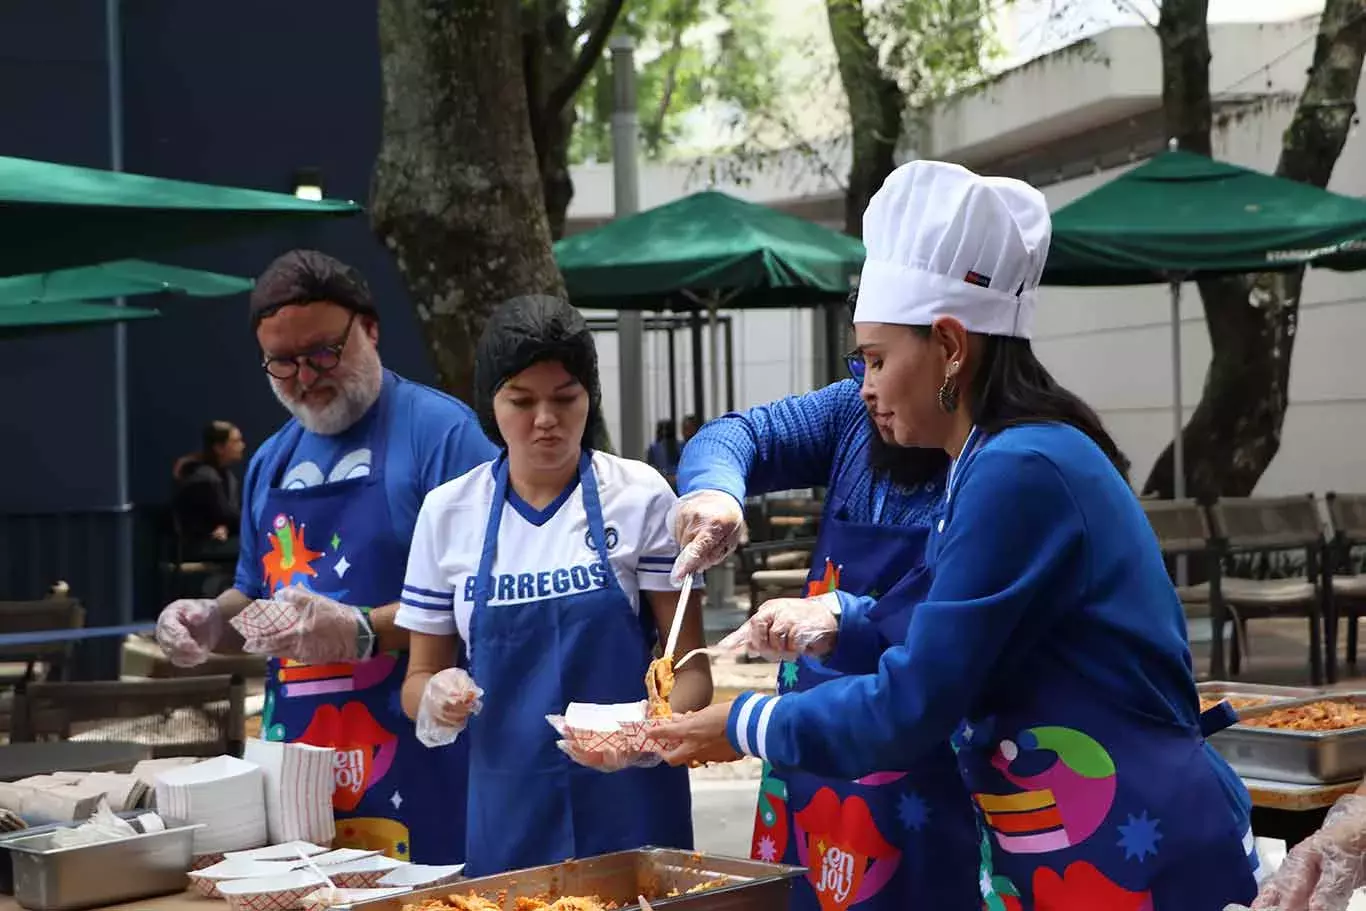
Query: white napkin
[(299, 780), (585, 716), (225, 794)]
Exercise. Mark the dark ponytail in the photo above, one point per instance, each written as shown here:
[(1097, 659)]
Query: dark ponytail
[(1012, 387)]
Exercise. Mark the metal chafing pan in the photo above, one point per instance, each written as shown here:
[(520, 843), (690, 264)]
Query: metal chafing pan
[(622, 877), (1298, 757), (1219, 689), (48, 878)]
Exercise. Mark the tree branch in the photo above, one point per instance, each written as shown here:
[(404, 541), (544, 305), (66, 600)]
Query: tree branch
[(563, 93), (1323, 118)]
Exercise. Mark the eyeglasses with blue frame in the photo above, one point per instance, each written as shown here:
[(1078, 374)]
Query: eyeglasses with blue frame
[(857, 368)]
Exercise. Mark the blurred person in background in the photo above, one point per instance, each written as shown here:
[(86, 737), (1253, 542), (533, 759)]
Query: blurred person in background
[(208, 496)]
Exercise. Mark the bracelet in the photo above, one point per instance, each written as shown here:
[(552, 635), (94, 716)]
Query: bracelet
[(366, 638)]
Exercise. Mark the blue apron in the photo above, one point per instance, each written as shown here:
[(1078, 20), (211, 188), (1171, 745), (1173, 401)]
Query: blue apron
[(531, 804), (392, 793), (1086, 804), (890, 841)]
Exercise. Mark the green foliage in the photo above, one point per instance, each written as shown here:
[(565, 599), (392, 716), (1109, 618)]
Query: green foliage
[(689, 54), (933, 48)]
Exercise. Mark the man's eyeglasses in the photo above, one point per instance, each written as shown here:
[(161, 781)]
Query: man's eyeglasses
[(322, 360)]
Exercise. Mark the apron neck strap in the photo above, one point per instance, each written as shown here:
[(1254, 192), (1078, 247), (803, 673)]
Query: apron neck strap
[(970, 445), (588, 483)]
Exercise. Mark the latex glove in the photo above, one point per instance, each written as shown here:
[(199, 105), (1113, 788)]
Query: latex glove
[(304, 626), (449, 700), (787, 627), (188, 630), (609, 759), (1321, 872), (708, 525)]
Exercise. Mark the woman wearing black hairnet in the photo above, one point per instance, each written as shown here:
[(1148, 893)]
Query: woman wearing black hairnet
[(537, 562)]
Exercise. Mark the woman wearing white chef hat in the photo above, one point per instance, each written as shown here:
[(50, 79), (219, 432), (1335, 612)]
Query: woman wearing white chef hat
[(1051, 648), (551, 565)]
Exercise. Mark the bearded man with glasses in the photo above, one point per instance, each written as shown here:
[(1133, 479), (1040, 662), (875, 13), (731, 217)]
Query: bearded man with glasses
[(330, 502)]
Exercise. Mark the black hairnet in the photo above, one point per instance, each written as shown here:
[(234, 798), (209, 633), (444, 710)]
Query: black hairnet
[(305, 277), (525, 331)]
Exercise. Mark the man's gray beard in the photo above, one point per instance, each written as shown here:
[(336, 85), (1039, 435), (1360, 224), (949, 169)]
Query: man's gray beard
[(356, 393)]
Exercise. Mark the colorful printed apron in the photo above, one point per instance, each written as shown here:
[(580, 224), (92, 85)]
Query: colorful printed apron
[(392, 793), (1087, 805), (532, 804), (890, 841)]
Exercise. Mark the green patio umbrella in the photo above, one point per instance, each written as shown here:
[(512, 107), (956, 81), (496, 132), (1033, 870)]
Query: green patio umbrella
[(1182, 216), (125, 278), (53, 216), (708, 248), (703, 252), (27, 318)]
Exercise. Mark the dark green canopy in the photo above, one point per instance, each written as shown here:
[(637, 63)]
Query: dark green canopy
[(1181, 214), (54, 216), (24, 319), (705, 245), (125, 278)]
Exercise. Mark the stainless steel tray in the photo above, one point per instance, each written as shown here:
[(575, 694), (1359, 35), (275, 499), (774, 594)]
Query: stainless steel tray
[(1218, 689), (1298, 757), (625, 875), (90, 876)]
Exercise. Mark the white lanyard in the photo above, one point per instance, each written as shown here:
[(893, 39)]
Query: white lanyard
[(969, 446)]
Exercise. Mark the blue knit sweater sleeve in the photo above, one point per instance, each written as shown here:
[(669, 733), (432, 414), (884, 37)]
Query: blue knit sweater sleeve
[(779, 446)]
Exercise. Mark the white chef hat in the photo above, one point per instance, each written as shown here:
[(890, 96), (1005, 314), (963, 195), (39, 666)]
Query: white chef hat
[(943, 241)]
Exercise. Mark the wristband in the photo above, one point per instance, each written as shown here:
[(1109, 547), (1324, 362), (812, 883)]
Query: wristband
[(366, 638)]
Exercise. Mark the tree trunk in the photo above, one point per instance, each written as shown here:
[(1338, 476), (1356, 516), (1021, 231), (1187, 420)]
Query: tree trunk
[(554, 75), (1235, 430), (875, 108), (456, 194)]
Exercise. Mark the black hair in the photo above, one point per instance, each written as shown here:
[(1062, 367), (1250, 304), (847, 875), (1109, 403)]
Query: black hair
[(1011, 387), (904, 466), (215, 433), (528, 330)]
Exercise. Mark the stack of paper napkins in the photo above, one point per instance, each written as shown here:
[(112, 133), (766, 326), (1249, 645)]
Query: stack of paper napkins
[(225, 794), (299, 780)]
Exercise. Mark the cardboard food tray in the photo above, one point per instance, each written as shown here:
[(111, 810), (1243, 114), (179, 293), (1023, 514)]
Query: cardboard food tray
[(1297, 757), (621, 877)]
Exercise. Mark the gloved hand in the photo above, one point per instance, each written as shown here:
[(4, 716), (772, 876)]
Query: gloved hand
[(607, 759), (448, 700), (188, 630), (787, 627), (707, 525), (1321, 872), (304, 626)]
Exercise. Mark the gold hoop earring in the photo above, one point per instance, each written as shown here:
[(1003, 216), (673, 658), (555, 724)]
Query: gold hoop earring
[(948, 395)]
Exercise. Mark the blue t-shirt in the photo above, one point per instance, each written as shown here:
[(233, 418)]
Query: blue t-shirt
[(432, 439)]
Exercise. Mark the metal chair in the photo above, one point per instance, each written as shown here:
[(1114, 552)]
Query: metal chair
[(54, 613), (1267, 525), (1183, 530), (189, 716), (1347, 514)]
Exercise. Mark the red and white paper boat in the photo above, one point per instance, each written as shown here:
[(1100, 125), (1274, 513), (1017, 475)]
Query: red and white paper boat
[(595, 728), (284, 892)]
